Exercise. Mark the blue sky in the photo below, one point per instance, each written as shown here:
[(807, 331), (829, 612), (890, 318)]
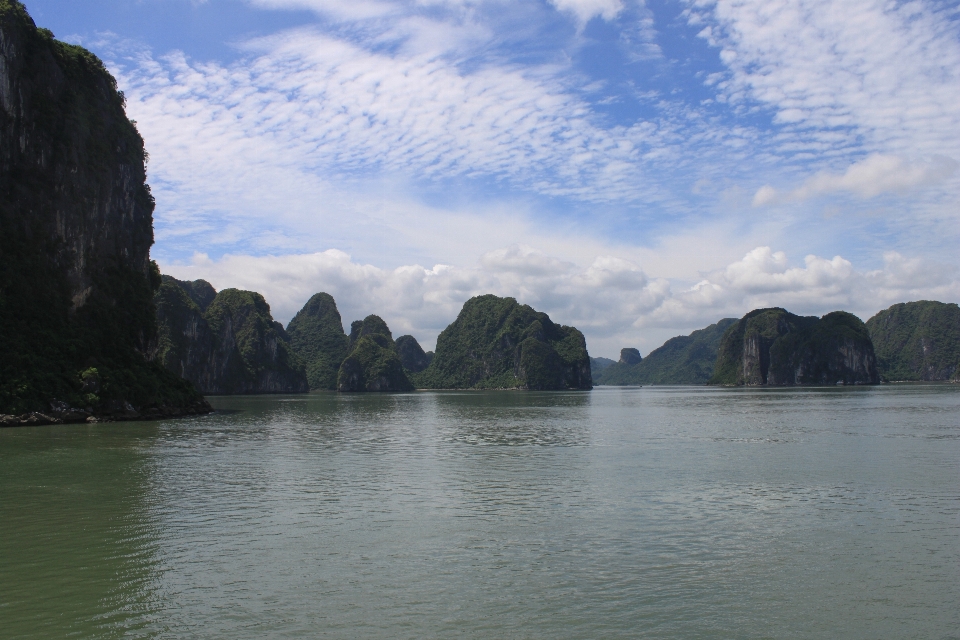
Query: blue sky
[(638, 170)]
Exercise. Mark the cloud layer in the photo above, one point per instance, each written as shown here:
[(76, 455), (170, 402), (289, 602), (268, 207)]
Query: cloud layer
[(612, 301), (547, 150)]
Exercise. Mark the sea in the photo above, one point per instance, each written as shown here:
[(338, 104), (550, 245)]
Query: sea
[(654, 512)]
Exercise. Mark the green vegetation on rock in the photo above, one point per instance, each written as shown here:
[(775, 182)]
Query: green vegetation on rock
[(598, 366), (317, 337), (776, 347), (373, 363), (917, 341), (411, 354), (184, 340), (254, 354), (200, 291), (681, 360), (76, 226), (496, 343), (232, 347)]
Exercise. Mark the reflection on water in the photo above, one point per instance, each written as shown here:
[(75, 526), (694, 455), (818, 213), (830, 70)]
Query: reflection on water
[(654, 512), (77, 547)]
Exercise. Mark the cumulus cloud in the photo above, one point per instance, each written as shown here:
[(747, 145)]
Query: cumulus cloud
[(875, 175), (612, 301)]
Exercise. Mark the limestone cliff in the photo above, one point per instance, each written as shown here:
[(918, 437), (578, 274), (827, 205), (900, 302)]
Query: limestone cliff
[(76, 226), (917, 341), (372, 364), (232, 347), (317, 337), (412, 355), (496, 343), (776, 347)]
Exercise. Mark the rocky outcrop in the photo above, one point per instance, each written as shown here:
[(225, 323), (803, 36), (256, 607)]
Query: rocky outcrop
[(372, 364), (76, 226), (630, 356), (411, 354), (184, 339), (682, 360), (775, 347), (317, 337), (917, 341), (496, 343), (232, 347)]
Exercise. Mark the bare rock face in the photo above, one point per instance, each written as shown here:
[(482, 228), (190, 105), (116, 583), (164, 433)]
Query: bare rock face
[(630, 356), (76, 226), (776, 347)]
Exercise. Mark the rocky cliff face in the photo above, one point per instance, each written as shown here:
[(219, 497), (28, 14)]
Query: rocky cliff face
[(185, 343), (496, 343), (773, 346), (76, 226), (317, 337), (917, 341), (372, 364), (232, 347)]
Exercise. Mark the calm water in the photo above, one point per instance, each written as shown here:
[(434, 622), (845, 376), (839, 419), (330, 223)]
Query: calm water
[(654, 512)]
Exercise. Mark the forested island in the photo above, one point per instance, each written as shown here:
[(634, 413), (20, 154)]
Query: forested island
[(92, 331)]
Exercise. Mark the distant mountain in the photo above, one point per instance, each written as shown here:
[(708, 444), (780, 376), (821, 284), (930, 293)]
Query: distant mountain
[(597, 365), (372, 363), (411, 354), (496, 343), (776, 347), (917, 341), (232, 347), (317, 337), (681, 360)]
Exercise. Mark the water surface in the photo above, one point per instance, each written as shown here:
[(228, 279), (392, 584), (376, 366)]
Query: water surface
[(656, 512)]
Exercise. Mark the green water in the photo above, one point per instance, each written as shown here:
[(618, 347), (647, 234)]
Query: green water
[(654, 512)]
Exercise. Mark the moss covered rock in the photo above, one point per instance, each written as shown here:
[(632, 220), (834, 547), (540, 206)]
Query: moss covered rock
[(496, 343), (917, 341), (76, 226), (776, 347), (317, 337), (373, 363)]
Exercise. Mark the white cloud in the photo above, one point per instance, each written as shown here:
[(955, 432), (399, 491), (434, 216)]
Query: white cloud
[(310, 105), (612, 301), (871, 177), (843, 75), (584, 10)]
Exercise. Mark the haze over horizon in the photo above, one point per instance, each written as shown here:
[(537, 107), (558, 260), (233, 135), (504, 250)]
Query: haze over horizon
[(635, 169)]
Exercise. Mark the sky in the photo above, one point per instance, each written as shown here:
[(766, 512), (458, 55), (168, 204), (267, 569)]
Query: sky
[(635, 169)]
